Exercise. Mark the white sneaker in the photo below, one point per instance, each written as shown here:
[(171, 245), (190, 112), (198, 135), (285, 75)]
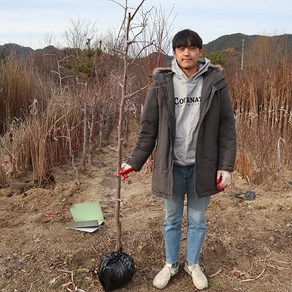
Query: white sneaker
[(162, 278), (199, 279)]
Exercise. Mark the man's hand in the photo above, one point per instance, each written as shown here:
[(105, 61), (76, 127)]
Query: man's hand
[(223, 179), (125, 169)]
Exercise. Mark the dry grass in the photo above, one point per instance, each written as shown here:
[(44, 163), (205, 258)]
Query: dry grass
[(46, 124), (262, 97)]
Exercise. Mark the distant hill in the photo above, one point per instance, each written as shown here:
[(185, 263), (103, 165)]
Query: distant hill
[(16, 49), (22, 52), (235, 41), (220, 44)]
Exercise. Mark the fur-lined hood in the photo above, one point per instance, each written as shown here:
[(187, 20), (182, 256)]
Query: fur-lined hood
[(164, 70)]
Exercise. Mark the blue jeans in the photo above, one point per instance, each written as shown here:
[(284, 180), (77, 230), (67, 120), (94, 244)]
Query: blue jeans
[(184, 183)]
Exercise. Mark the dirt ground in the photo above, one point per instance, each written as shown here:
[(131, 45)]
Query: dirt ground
[(248, 244)]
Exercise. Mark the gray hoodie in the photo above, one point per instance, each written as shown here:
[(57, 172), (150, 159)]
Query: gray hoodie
[(187, 99)]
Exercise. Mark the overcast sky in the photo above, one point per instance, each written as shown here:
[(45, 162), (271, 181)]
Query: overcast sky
[(32, 22)]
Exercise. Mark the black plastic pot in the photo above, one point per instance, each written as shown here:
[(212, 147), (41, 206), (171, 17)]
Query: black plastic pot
[(116, 270)]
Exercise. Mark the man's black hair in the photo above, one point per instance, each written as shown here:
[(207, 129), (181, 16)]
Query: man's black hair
[(186, 38)]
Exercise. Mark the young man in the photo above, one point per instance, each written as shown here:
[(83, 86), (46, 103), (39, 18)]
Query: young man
[(188, 119)]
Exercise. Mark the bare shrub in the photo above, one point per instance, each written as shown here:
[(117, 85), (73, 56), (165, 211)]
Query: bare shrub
[(263, 108), (19, 84), (80, 34), (3, 178), (258, 157), (13, 147), (46, 140)]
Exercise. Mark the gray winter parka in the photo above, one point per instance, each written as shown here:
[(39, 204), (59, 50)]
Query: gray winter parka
[(216, 144)]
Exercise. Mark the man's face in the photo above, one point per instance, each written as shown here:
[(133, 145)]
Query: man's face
[(187, 58)]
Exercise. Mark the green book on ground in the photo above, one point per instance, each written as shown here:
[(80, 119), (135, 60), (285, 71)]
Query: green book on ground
[(86, 216)]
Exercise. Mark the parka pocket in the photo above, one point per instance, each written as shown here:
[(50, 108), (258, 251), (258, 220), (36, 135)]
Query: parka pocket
[(161, 182)]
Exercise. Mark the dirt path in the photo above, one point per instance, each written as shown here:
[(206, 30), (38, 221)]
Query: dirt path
[(248, 244)]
